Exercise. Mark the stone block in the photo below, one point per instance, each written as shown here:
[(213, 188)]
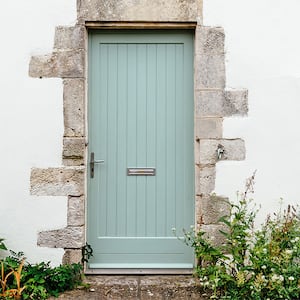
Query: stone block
[(210, 103), (209, 58), (76, 215), (69, 237), (63, 64), (208, 128), (212, 232), (72, 256), (66, 181), (170, 287), (236, 102), (205, 180), (228, 149), (73, 151), (221, 103), (209, 40), (74, 107), (210, 71), (212, 208), (114, 287), (69, 37), (73, 147), (139, 10)]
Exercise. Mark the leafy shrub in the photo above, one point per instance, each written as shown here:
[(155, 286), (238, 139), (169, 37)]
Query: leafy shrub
[(262, 264), (36, 281), (42, 281)]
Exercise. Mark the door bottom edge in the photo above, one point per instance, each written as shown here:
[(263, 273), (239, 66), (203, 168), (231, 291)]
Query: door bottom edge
[(141, 271)]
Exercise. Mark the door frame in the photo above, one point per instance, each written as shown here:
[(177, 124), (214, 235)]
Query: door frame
[(212, 103), (134, 26)]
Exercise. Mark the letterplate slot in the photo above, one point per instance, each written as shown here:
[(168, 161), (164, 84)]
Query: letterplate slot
[(141, 171)]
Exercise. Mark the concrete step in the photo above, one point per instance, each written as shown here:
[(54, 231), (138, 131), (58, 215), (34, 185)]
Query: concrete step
[(141, 287)]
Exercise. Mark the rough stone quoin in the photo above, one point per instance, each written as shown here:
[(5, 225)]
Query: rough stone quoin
[(65, 181), (219, 103), (73, 151), (205, 181), (76, 216), (74, 107), (72, 256), (232, 149), (69, 237), (208, 128), (209, 58), (68, 38), (62, 64), (212, 208)]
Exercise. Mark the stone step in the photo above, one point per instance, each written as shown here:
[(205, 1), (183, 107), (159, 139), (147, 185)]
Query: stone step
[(141, 287)]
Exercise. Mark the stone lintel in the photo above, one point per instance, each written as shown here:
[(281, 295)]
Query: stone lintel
[(62, 64), (74, 107), (69, 237), (70, 37), (229, 149), (65, 181), (140, 10), (76, 215), (212, 208)]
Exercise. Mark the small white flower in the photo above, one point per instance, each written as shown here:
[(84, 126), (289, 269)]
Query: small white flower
[(281, 278), (274, 277), (263, 267), (291, 278), (289, 251), (264, 250)]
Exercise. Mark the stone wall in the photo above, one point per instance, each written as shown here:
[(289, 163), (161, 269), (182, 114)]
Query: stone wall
[(213, 102)]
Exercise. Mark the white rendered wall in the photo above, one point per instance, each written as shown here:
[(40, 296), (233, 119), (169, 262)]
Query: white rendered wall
[(31, 122), (263, 55)]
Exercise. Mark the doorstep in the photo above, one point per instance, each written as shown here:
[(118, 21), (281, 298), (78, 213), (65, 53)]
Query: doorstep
[(142, 287)]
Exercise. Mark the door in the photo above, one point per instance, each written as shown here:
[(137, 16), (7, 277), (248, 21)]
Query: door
[(140, 123)]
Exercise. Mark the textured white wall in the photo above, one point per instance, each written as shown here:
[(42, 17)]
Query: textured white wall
[(263, 55), (263, 46), (31, 122)]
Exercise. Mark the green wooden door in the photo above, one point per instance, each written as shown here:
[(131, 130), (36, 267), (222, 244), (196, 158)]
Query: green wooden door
[(140, 116)]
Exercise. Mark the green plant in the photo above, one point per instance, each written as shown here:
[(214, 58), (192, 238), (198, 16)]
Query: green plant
[(43, 281), (2, 245), (261, 264), (10, 292), (36, 281)]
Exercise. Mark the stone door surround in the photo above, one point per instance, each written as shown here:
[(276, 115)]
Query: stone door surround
[(213, 102)]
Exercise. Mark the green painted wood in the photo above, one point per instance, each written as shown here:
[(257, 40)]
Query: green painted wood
[(140, 114)]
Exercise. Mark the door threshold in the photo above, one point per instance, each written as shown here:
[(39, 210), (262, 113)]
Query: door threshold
[(146, 271)]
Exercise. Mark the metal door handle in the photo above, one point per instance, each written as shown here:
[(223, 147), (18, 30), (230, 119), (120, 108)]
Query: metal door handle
[(92, 164)]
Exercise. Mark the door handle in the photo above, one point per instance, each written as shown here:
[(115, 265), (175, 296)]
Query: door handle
[(92, 164)]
